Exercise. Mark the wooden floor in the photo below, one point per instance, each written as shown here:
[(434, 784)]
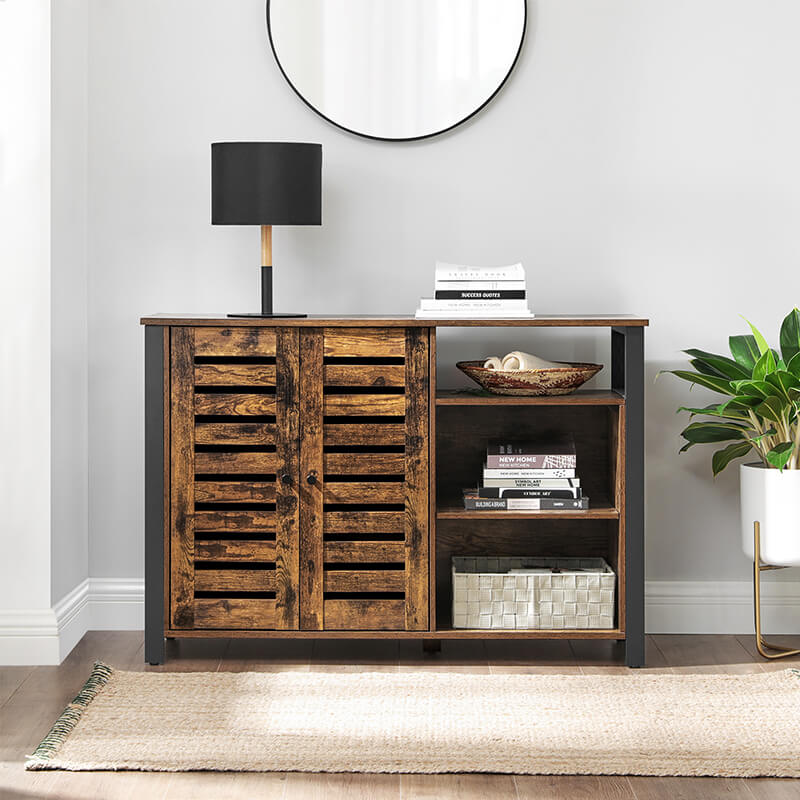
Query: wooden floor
[(32, 697)]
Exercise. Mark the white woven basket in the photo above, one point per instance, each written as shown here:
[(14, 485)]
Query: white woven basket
[(485, 595)]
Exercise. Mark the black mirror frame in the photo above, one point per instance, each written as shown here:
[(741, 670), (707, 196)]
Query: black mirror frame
[(408, 138)]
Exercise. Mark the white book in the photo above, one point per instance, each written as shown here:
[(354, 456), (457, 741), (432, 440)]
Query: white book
[(462, 272), (477, 314), (480, 286), (488, 474), (532, 483), (429, 304)]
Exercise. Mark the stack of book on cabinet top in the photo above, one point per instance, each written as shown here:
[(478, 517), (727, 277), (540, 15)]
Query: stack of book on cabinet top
[(483, 292), (528, 476)]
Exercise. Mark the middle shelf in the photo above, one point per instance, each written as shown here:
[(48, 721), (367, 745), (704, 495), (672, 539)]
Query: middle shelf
[(601, 509)]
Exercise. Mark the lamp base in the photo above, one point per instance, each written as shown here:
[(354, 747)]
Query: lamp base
[(270, 315)]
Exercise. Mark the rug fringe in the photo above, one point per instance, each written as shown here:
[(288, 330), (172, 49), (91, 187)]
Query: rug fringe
[(99, 677)]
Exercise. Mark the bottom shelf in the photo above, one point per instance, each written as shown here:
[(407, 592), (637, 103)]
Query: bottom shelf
[(497, 633), (442, 633)]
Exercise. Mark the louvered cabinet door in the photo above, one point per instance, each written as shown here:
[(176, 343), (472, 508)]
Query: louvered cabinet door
[(364, 479), (233, 434)]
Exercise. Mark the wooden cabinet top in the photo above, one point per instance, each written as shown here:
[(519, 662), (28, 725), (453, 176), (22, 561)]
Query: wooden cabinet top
[(353, 321)]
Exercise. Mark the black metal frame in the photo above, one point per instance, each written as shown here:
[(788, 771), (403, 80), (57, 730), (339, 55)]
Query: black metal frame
[(627, 378), (408, 138), (154, 477)]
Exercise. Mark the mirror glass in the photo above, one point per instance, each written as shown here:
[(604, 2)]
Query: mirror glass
[(396, 69)]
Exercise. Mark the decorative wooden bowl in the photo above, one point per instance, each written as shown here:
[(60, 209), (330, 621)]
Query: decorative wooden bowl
[(532, 382)]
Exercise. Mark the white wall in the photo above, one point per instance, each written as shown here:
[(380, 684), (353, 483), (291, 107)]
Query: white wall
[(25, 311), (643, 158), (70, 381)]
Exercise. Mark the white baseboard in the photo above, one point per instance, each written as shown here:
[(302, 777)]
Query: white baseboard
[(46, 636), (29, 636), (116, 604), (720, 606)]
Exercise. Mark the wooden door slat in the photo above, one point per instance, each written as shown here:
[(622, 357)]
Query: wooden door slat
[(365, 580), (235, 433), (373, 552), (234, 492), (355, 342), (364, 521), (181, 550), (365, 405), (234, 342), (234, 613), (311, 494), (378, 615), (248, 521), (364, 464), (234, 374), (416, 512), (390, 434), (365, 492), (233, 550), (234, 580), (249, 463), (240, 404), (364, 374), (287, 509)]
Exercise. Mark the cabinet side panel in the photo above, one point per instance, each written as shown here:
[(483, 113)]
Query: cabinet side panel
[(182, 478), (156, 483), (287, 442), (416, 501), (311, 494)]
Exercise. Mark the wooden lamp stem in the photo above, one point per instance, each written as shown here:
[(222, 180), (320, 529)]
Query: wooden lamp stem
[(266, 245)]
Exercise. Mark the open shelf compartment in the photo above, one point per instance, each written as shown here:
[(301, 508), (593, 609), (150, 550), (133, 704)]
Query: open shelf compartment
[(462, 432)]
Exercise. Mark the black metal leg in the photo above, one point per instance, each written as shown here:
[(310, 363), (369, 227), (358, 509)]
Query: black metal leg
[(627, 377), (154, 647)]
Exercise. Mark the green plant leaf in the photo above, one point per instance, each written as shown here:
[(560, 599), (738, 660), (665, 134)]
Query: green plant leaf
[(773, 409), (761, 342), (783, 381), (703, 432), (745, 350), (780, 454), (764, 365), (705, 369), (708, 381), (742, 402), (794, 365), (723, 410), (723, 457), (721, 365), (753, 388), (790, 335)]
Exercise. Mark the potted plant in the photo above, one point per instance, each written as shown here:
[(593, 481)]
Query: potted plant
[(759, 415)]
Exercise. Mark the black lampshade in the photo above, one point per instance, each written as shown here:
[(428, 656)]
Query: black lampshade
[(266, 183)]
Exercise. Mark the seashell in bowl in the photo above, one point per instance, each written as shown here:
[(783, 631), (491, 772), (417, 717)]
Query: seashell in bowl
[(533, 382)]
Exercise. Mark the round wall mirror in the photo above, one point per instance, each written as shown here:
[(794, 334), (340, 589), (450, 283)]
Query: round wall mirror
[(396, 69)]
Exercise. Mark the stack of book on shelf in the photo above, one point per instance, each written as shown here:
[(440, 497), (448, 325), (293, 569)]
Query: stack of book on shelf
[(483, 292), (528, 476)]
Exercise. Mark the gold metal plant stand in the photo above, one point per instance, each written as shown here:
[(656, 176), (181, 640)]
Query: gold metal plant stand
[(758, 568)]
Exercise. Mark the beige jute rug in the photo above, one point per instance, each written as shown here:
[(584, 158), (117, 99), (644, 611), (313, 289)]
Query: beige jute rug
[(637, 724)]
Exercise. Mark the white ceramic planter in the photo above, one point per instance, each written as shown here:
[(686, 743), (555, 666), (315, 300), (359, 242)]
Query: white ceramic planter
[(772, 497)]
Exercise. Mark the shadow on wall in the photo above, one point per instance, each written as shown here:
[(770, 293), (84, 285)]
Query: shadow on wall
[(692, 517)]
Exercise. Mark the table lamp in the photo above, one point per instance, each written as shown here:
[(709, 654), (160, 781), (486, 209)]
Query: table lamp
[(266, 184)]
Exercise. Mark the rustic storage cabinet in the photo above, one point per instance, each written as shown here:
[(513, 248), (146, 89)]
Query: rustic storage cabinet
[(292, 489)]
